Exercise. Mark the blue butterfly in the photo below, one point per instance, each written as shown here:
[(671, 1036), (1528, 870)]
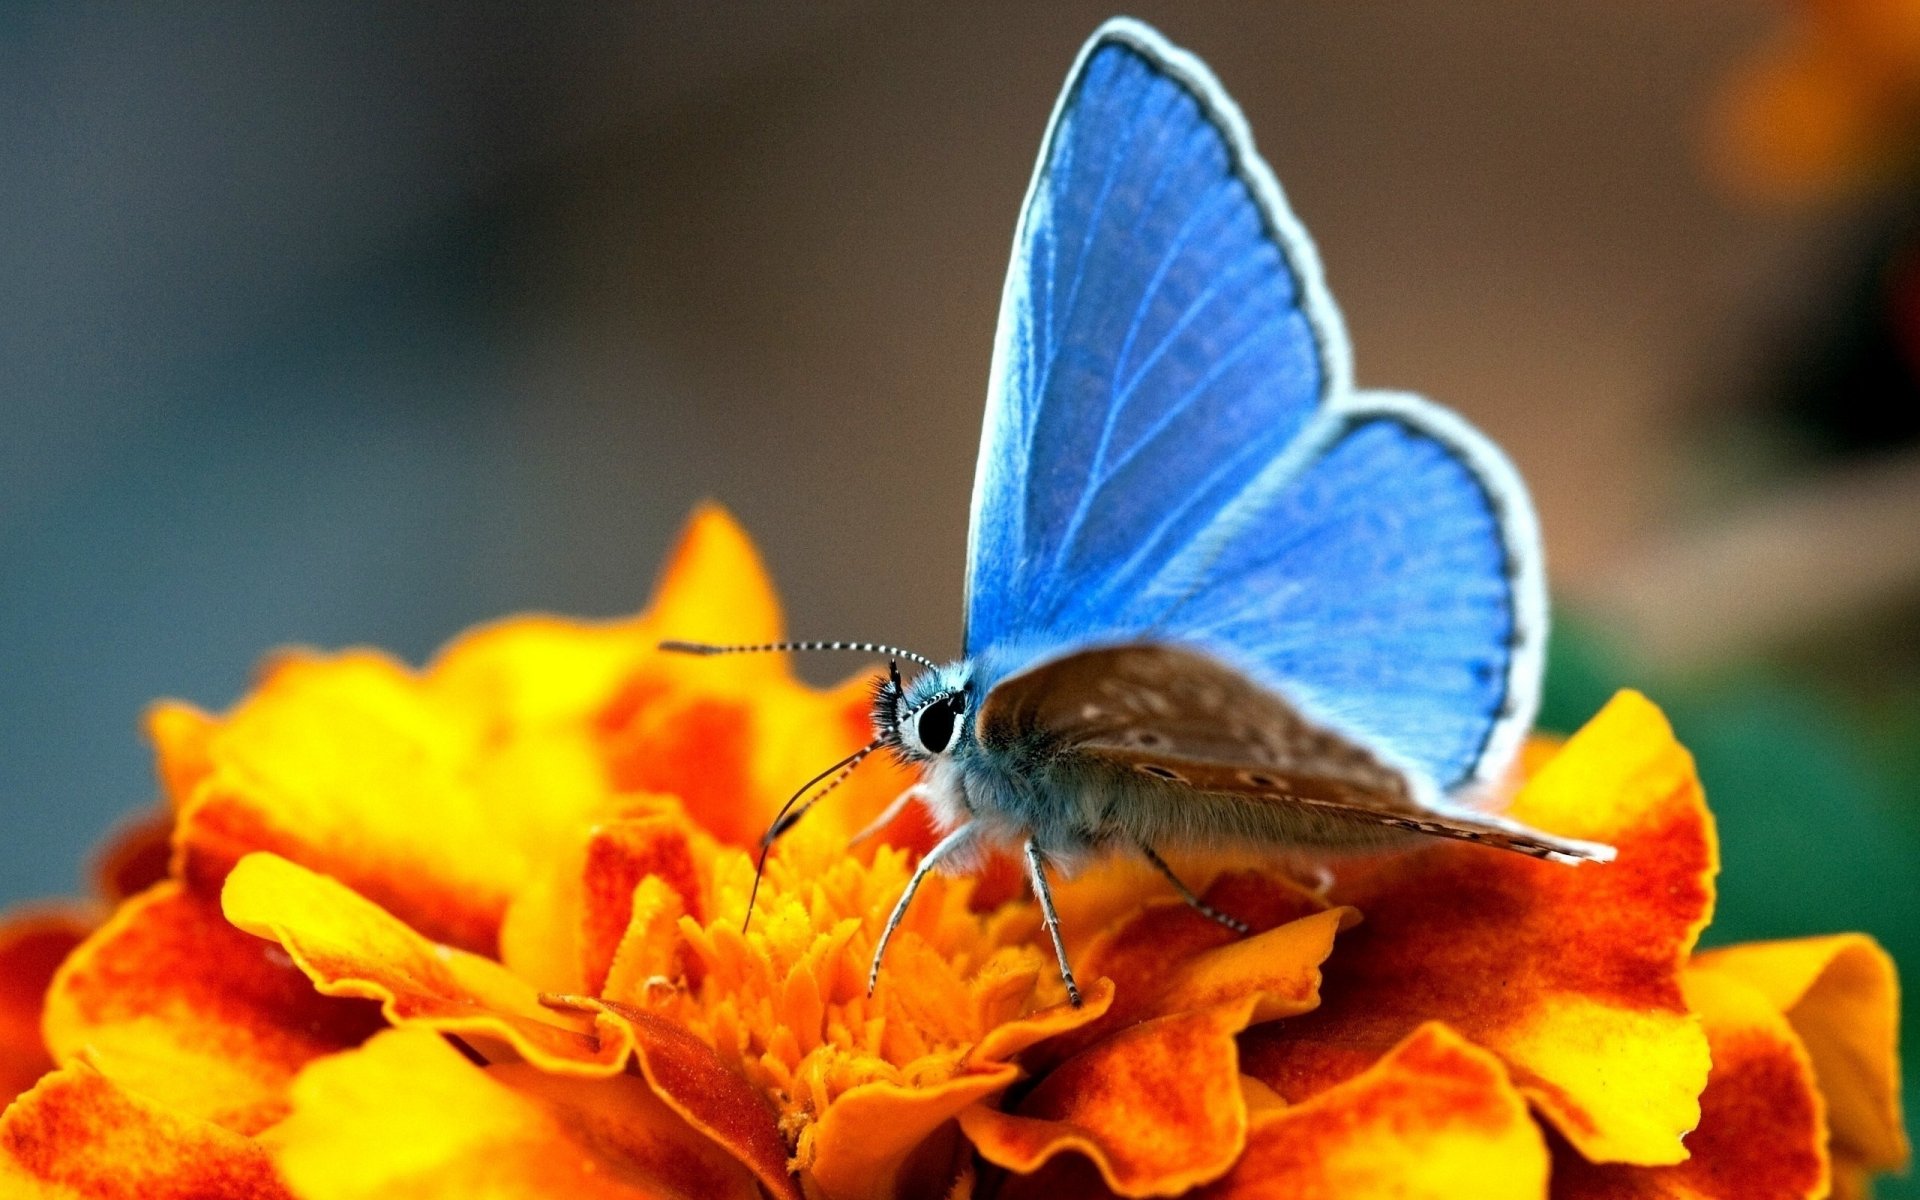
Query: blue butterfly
[(1215, 594)]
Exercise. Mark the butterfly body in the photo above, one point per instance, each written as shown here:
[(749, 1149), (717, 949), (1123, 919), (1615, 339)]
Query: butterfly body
[(1134, 745), (1216, 594)]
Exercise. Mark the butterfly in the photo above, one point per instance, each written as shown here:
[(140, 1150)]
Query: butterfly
[(1216, 595)]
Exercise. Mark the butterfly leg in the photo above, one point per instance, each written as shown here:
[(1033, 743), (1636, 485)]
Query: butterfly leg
[(1186, 893), (917, 792), (1037, 873), (956, 840)]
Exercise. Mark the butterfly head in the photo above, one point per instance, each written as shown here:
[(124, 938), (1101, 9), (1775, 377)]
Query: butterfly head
[(926, 718)]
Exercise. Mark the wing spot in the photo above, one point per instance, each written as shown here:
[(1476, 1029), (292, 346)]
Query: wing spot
[(1273, 782), (1146, 739), (1160, 772)]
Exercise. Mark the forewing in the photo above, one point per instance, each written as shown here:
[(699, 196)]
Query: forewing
[(1224, 758), (1164, 335)]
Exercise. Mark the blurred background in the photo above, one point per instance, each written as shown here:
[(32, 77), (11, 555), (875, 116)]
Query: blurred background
[(341, 324)]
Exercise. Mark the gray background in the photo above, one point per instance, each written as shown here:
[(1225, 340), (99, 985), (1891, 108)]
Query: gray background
[(340, 324)]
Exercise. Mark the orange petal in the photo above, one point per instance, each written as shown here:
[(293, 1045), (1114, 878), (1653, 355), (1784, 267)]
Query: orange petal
[(876, 1139), (1841, 995), (621, 854), (692, 1080), (169, 1000), (33, 943), (408, 1115), (1437, 1117), (349, 765), (441, 795), (1570, 974), (1762, 1131), (134, 856), (715, 588), (1168, 958), (869, 1142), (180, 734), (77, 1136), (349, 946), (1157, 1107), (579, 928), (734, 753)]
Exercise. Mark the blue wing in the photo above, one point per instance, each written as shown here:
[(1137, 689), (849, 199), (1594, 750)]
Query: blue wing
[(1164, 334), (1386, 577), (1173, 449)]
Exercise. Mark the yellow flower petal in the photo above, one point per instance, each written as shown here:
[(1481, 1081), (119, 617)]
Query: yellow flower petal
[(180, 734), (407, 1115), (349, 946), (78, 1136), (1841, 995), (1570, 974), (442, 795), (870, 1141), (1436, 1118), (169, 1000), (1762, 1131), (690, 1078), (1156, 1107)]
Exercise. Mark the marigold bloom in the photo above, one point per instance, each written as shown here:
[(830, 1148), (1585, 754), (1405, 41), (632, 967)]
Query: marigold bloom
[(476, 930)]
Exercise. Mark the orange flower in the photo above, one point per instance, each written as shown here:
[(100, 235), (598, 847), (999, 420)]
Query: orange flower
[(476, 930)]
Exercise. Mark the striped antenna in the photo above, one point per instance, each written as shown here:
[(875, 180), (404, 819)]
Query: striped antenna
[(788, 816), (703, 648)]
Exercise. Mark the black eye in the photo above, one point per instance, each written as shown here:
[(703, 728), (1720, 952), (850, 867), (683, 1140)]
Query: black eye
[(936, 723)]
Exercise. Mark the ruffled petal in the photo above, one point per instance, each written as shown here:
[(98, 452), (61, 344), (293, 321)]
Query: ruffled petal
[(442, 795), (734, 752), (78, 1136), (1762, 1133), (349, 946), (566, 930), (181, 735), (408, 1115), (693, 1081), (1841, 995), (1437, 1117), (872, 1141), (169, 1000), (346, 765), (1570, 974), (875, 1140), (1157, 1107), (1167, 958), (620, 856), (33, 943)]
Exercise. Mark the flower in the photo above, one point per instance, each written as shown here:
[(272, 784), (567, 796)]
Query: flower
[(478, 930)]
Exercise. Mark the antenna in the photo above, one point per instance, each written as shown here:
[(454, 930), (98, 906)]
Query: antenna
[(706, 650), (787, 818)]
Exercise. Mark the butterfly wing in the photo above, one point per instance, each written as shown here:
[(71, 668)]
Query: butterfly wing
[(1173, 449), (1389, 582), (1164, 334), (1183, 748)]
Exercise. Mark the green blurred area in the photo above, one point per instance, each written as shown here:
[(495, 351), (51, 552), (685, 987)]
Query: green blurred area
[(1815, 787)]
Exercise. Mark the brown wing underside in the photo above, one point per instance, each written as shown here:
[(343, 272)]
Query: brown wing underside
[(1184, 720)]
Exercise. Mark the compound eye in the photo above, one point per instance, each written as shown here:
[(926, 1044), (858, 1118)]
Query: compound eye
[(935, 726)]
